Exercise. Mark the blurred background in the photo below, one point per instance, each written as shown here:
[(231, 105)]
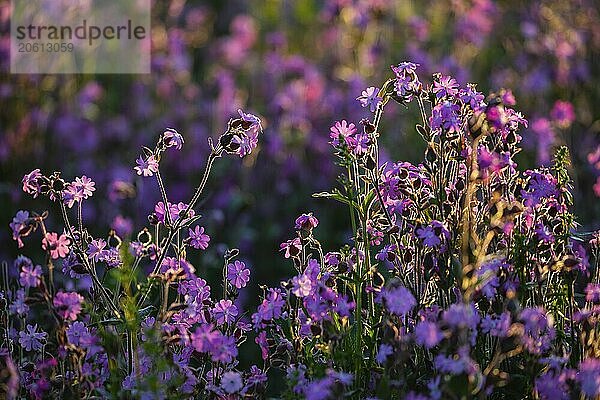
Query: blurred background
[(299, 65)]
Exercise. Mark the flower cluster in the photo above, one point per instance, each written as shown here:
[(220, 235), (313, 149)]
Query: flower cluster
[(460, 270), (460, 273)]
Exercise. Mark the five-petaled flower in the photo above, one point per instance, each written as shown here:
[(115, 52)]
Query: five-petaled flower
[(96, 249), (147, 167), (58, 246), (237, 274), (225, 312), (198, 239), (370, 98), (30, 339)]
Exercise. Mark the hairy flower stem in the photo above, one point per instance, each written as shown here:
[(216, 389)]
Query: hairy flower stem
[(165, 199), (357, 282), (129, 344), (467, 211), (97, 284), (215, 153)]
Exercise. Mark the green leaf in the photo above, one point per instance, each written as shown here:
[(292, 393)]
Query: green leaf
[(335, 196)]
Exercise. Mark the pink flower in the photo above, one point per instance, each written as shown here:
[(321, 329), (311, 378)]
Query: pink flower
[(307, 222), (594, 158), (342, 130), (30, 185), (86, 185), (563, 114), (291, 248), (146, 167), (68, 305), (172, 138), (58, 246), (204, 337)]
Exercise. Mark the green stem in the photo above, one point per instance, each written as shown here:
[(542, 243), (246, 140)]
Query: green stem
[(216, 153)]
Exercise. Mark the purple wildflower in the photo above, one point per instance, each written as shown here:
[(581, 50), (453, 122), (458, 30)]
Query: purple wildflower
[(361, 143), (385, 350), (428, 334), (343, 306), (446, 86), (253, 119), (318, 389), (399, 300), (446, 115), (79, 335), (172, 138), (592, 293), (18, 306), (370, 98), (472, 97), (237, 274), (270, 308), (30, 184), (487, 275), (122, 226), (223, 349), (199, 239), (96, 249), (30, 276), (68, 305), (85, 185), (147, 167), (341, 130), (203, 338), (461, 316), (302, 285), (30, 339), (195, 288), (246, 139), (71, 195), (538, 331), (225, 312), (176, 211), (539, 186), (449, 364), (246, 143), (407, 83), (432, 234), (18, 225), (306, 222), (231, 382), (261, 341), (387, 253), (552, 386), (428, 236), (589, 377), (291, 248)]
